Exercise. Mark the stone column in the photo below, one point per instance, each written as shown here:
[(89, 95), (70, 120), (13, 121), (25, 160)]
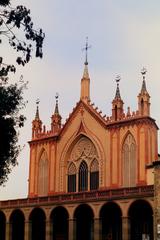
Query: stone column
[(156, 200), (27, 230), (125, 228), (8, 231), (97, 229), (72, 229), (49, 232)]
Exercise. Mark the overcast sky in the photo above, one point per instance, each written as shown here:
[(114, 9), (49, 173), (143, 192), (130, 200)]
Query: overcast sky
[(125, 36)]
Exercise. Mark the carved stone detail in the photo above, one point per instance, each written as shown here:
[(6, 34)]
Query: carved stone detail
[(84, 149)]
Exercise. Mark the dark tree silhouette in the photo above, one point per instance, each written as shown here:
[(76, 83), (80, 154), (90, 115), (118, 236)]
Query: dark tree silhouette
[(14, 22)]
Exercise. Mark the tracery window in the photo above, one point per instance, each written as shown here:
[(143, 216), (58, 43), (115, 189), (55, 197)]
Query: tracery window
[(83, 177), (84, 158), (94, 175), (129, 161), (72, 178), (43, 175)]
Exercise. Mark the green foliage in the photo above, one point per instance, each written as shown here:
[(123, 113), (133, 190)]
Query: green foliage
[(11, 20), (14, 21), (11, 102)]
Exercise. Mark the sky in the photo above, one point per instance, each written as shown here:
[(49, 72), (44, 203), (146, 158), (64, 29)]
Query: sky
[(124, 37)]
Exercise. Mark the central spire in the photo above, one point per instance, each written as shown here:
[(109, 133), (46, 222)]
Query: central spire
[(85, 81)]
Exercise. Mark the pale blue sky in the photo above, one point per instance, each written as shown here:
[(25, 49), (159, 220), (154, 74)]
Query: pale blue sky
[(125, 36)]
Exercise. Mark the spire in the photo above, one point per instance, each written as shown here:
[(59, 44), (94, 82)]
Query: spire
[(56, 117), (143, 97), (36, 123), (117, 103), (56, 111), (143, 72), (37, 110), (117, 95), (85, 81)]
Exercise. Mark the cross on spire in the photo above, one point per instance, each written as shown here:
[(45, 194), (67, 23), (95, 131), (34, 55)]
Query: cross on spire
[(86, 49)]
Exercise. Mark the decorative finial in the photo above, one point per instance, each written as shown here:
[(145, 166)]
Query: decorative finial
[(56, 108), (118, 78), (37, 110), (86, 49), (37, 101), (143, 72), (57, 96)]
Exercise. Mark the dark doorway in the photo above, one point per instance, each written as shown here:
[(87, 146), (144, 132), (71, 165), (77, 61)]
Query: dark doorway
[(2, 226), (110, 215), (84, 222), (17, 225), (59, 218), (37, 219), (141, 220)]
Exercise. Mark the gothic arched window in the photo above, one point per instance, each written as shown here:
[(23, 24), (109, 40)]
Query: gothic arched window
[(83, 177), (43, 175), (83, 167), (94, 175), (72, 178), (129, 161)]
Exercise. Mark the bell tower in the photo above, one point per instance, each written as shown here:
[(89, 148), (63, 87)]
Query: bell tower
[(143, 97)]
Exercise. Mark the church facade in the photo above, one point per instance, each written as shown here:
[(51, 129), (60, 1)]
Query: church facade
[(91, 178)]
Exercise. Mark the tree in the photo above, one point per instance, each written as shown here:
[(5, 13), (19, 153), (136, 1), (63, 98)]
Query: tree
[(14, 21)]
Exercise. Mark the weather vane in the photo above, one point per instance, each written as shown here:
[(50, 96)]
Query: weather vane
[(118, 78), (143, 72), (86, 49), (57, 96), (37, 101)]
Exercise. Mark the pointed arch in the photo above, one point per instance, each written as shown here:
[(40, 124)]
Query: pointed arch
[(129, 161), (83, 177), (72, 178), (43, 174), (65, 156), (94, 175)]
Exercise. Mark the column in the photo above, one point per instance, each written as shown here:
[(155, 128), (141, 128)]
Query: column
[(27, 230), (125, 228), (97, 229), (72, 229), (8, 231), (49, 232)]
